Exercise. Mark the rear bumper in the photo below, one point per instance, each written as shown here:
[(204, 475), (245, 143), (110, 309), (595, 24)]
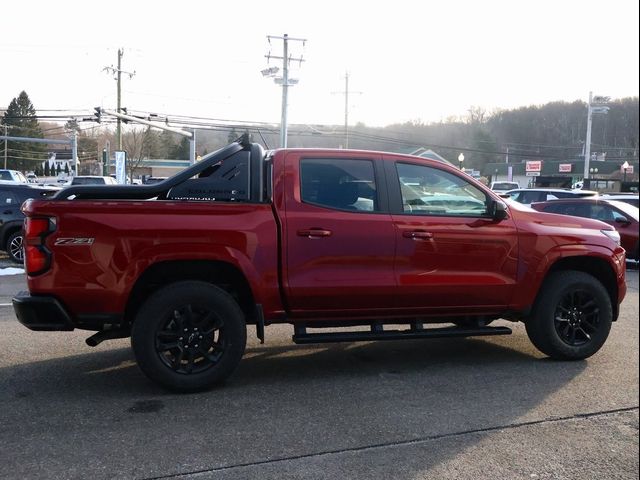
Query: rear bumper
[(44, 314)]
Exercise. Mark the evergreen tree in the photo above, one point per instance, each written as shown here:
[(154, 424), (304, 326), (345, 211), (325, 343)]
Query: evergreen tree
[(47, 169), (58, 169), (181, 150), (66, 168), (20, 117)]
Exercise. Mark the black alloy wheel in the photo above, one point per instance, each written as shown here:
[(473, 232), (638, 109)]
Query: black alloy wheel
[(189, 336), (576, 318), (191, 339), (572, 316)]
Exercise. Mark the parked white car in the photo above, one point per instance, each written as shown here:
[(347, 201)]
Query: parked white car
[(503, 187), (12, 177)]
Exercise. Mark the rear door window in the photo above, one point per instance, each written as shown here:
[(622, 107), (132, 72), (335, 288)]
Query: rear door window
[(340, 184)]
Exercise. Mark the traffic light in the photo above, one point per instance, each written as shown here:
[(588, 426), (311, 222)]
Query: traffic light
[(98, 114)]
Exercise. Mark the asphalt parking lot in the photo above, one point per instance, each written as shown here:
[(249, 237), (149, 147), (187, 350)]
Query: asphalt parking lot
[(453, 408)]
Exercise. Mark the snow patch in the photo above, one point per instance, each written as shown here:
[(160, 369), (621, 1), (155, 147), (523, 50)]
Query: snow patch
[(11, 271)]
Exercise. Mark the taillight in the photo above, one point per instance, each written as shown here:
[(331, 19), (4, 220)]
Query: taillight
[(37, 258)]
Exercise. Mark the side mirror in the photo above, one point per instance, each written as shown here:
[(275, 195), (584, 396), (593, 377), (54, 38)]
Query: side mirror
[(623, 221), (497, 210)]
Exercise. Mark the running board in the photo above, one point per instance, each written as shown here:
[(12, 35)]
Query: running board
[(378, 333)]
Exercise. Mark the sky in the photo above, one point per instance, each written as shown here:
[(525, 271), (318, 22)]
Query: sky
[(423, 61)]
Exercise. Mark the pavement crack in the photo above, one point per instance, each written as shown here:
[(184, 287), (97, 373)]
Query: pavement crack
[(416, 441)]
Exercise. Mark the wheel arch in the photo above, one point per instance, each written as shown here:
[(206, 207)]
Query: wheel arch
[(219, 273), (596, 267)]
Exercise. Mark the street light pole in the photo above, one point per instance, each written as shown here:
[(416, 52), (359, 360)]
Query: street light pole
[(625, 166), (460, 160)]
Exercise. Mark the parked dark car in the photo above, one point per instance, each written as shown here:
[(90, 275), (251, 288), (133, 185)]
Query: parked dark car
[(622, 216), (11, 218)]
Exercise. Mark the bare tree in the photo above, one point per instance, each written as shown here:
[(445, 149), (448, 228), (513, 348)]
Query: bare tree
[(140, 144)]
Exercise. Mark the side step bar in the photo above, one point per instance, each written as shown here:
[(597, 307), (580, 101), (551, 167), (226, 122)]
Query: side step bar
[(378, 333)]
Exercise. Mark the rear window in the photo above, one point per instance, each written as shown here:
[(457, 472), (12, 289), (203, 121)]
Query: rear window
[(341, 184)]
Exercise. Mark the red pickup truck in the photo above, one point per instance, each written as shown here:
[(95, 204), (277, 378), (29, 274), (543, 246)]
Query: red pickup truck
[(400, 246)]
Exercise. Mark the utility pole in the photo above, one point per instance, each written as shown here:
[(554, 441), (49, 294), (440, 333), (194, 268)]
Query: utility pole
[(587, 143), (285, 81), (74, 152), (118, 77), (346, 108), (6, 147), (596, 105)]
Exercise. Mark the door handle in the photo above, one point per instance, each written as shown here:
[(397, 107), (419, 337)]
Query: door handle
[(417, 235), (314, 233)]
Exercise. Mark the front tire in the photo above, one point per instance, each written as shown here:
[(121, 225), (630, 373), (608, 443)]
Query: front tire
[(15, 248), (189, 336), (572, 316)]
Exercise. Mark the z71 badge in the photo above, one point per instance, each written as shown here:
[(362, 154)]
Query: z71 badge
[(74, 241)]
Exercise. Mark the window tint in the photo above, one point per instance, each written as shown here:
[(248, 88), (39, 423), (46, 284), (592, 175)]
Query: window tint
[(562, 208), (430, 191), (504, 185), (88, 181), (527, 197), (602, 212), (5, 175), (339, 183)]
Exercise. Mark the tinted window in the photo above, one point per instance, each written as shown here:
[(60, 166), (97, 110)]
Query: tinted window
[(430, 191), (528, 196), (574, 209), (339, 183), (557, 208), (504, 185), (603, 212), (5, 175), (87, 181)]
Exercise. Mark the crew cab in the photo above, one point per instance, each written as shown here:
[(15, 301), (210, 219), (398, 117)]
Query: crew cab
[(398, 246)]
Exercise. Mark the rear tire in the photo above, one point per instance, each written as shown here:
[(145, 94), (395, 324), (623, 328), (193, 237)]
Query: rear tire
[(189, 336), (572, 316)]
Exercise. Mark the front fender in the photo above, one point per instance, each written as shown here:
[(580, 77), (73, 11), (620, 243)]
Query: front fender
[(605, 264)]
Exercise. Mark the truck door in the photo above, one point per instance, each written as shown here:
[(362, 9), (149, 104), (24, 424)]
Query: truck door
[(339, 242), (451, 254)]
